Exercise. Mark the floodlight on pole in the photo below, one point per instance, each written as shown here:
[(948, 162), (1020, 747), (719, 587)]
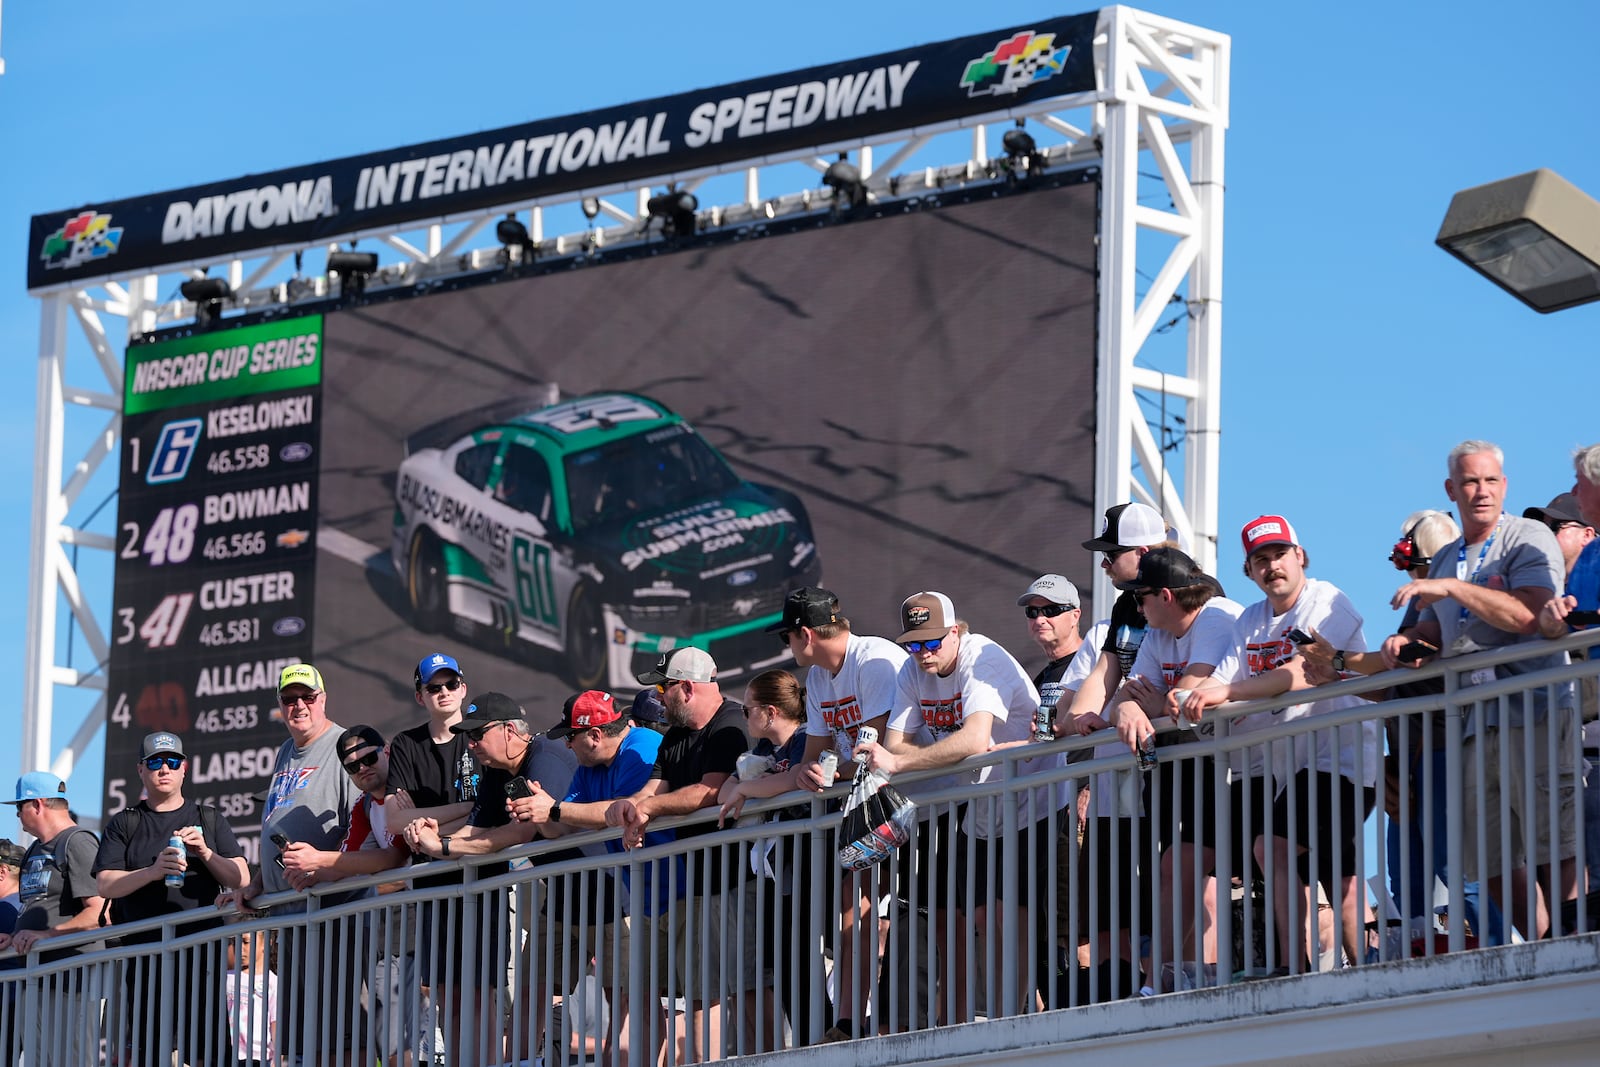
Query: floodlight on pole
[(676, 211), (1537, 236), (352, 269), (207, 295), (844, 178), (510, 232)]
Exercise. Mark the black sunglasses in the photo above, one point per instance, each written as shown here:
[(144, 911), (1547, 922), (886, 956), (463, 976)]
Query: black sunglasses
[(439, 687), (155, 763), (1049, 611), (369, 760)]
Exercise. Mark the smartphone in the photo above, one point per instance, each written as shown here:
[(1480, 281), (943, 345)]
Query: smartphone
[(1583, 618), (1416, 650), (1300, 637), (518, 787), (282, 843)]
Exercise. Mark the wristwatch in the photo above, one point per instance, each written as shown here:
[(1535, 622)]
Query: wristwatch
[(444, 843), (555, 812), (1338, 661)]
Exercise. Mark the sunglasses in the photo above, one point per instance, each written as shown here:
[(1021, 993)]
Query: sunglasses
[(476, 736), (439, 687), (930, 645), (1049, 611), (783, 637), (155, 763), (290, 701), (1115, 552), (355, 765)]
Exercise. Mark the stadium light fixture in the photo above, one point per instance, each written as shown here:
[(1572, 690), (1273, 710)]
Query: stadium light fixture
[(207, 295), (1537, 236), (1022, 151), (352, 269), (591, 207), (675, 210), (844, 178), (510, 231)]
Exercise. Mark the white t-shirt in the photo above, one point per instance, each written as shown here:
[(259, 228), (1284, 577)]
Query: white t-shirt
[(985, 679), (1087, 656), (864, 688), (1261, 643)]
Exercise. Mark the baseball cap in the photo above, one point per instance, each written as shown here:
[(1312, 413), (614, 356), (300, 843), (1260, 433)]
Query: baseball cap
[(39, 785), (300, 674), (1563, 508), (807, 606), (433, 664), (159, 744), (647, 707), (11, 853), (926, 615), (1054, 588), (1132, 525), (486, 709), (1166, 568), (356, 738), (1265, 530), (585, 711), (686, 664)]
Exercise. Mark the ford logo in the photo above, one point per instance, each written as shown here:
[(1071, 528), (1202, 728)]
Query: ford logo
[(295, 452), (289, 626), (744, 577)]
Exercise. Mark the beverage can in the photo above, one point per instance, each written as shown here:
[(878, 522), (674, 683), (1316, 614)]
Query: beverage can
[(865, 736), (829, 761), (1147, 753), (1044, 718), (176, 878)]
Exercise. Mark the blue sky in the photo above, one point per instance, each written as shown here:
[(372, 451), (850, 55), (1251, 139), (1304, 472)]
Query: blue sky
[(1355, 352)]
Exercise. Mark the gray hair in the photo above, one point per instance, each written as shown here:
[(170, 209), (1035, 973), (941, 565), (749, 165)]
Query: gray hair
[(1430, 530), (1472, 448), (1586, 463)]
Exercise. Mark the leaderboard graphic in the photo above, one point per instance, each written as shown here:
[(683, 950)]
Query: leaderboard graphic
[(215, 571)]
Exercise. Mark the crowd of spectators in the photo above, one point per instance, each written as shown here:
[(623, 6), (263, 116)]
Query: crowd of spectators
[(478, 778)]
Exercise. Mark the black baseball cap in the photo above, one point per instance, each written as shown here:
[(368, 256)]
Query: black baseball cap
[(807, 606), (1165, 568), (486, 710), (358, 737), (1562, 509)]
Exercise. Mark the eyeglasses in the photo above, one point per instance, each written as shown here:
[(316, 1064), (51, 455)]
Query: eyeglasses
[(930, 645), (1557, 527), (289, 700), (369, 760), (1049, 611), (476, 736), (438, 687), (171, 763)]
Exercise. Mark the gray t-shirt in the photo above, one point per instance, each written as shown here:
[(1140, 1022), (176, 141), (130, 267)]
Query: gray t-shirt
[(1523, 554), (310, 800)]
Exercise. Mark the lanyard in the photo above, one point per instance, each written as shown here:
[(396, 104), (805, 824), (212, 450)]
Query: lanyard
[(1461, 561)]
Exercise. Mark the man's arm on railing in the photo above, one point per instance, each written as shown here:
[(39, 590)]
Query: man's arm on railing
[(1084, 716), (423, 836), (306, 866), (900, 753), (1516, 611), (450, 817)]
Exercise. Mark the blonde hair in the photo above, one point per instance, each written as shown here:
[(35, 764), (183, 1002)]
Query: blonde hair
[(1430, 530)]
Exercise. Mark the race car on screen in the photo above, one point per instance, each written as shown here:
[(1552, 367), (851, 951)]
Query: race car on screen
[(603, 527)]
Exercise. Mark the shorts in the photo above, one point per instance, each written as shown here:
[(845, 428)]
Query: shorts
[(1032, 844), (442, 941), (199, 1020), (1181, 814), (576, 947), (1248, 802), (1121, 880), (1500, 796), (688, 945), (1354, 805)]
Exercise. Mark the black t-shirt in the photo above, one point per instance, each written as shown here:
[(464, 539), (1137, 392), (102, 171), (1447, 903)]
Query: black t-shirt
[(1052, 671), (135, 837), (1126, 632), (434, 775), (686, 756)]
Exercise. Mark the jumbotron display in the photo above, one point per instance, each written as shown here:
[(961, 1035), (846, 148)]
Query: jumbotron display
[(555, 477)]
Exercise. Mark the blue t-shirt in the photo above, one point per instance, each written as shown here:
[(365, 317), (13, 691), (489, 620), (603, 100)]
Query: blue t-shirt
[(1584, 581), (624, 776)]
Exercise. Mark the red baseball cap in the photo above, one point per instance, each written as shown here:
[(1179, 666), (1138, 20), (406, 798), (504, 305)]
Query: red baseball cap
[(586, 711), (1267, 530)]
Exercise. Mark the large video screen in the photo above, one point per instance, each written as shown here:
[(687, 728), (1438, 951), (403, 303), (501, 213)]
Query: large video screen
[(554, 478)]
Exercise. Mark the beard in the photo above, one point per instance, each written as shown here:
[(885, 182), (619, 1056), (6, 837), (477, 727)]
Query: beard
[(678, 715)]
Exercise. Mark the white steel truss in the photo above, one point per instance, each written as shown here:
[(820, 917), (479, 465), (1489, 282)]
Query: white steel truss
[(1161, 97)]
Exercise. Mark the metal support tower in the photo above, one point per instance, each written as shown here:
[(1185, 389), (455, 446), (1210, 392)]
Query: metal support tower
[(1160, 105)]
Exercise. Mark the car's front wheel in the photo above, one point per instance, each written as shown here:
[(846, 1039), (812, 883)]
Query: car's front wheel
[(425, 582), (586, 638)]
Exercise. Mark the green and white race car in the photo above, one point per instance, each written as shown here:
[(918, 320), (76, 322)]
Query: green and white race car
[(602, 527)]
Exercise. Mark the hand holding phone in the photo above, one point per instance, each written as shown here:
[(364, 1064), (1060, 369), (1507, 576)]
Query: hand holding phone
[(282, 843), (1300, 637), (518, 787), (1414, 651), (1583, 618)]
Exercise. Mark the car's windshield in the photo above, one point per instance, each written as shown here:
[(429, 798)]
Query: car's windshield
[(643, 474)]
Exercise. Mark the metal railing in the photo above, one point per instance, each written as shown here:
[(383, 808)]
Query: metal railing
[(1074, 901)]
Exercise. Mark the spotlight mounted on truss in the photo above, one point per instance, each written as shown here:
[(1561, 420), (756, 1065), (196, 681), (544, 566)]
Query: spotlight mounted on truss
[(207, 295), (844, 178), (1022, 152), (510, 232), (591, 208), (352, 269), (676, 210)]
